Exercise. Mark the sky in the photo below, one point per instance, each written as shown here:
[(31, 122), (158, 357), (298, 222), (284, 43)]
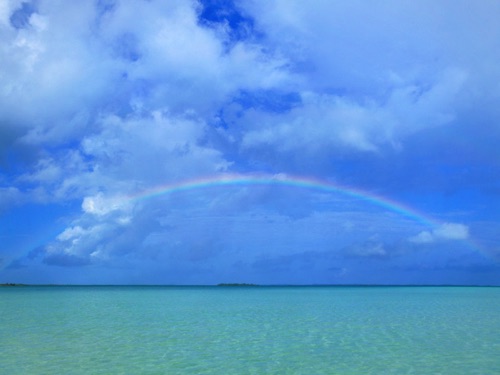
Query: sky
[(267, 142)]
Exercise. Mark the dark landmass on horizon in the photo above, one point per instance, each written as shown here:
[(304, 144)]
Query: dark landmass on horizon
[(13, 284)]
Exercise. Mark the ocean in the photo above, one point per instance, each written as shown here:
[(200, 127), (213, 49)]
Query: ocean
[(249, 330)]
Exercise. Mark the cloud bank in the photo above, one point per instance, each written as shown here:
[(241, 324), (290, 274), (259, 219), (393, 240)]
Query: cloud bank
[(102, 100)]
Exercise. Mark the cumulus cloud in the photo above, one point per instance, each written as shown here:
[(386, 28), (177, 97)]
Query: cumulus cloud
[(74, 243), (333, 122), (99, 205), (446, 231), (393, 73), (320, 121), (71, 232), (156, 147), (106, 98), (128, 54)]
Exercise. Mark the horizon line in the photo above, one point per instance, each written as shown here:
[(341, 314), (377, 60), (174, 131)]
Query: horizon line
[(246, 285)]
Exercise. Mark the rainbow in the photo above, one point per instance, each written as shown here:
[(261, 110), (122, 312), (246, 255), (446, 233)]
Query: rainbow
[(246, 180), (284, 180)]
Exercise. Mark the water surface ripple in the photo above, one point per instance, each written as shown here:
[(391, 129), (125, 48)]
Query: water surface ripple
[(252, 330)]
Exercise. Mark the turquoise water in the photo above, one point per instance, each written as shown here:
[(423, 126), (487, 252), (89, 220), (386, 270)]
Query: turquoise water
[(261, 330)]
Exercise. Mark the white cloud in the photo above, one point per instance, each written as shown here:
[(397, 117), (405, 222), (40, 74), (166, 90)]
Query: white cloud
[(100, 206), (325, 122), (152, 149), (76, 62), (355, 45), (6, 9), (70, 233), (423, 237), (117, 100), (46, 171), (452, 231), (401, 67), (322, 121), (446, 231), (78, 241)]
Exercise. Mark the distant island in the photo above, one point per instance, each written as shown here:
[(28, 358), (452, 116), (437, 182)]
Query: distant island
[(236, 284), (12, 284)]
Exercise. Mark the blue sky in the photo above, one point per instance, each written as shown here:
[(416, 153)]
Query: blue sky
[(103, 102)]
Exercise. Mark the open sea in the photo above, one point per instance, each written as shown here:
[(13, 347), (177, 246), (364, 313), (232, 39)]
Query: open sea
[(249, 330)]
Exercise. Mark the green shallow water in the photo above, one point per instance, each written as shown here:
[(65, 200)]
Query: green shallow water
[(261, 330)]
